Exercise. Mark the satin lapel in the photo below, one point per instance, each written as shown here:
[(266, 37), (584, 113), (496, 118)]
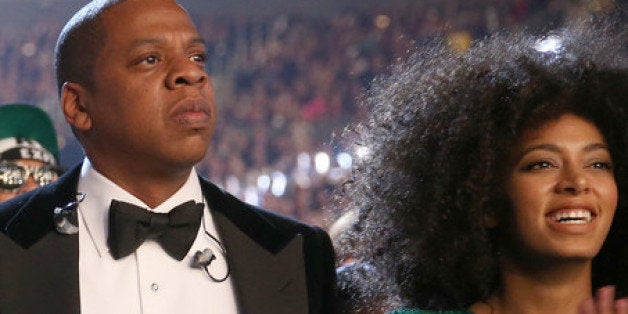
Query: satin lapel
[(39, 270), (34, 218), (268, 270), (265, 282)]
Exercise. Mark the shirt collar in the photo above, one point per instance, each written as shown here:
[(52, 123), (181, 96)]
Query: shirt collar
[(99, 191)]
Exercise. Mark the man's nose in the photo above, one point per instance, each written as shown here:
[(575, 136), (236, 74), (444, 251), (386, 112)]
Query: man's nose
[(185, 72)]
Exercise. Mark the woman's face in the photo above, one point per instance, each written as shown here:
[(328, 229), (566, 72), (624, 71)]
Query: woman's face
[(562, 189)]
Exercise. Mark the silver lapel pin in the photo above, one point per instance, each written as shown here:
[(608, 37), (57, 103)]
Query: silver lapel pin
[(66, 218)]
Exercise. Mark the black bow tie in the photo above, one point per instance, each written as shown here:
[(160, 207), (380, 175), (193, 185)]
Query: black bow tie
[(130, 225)]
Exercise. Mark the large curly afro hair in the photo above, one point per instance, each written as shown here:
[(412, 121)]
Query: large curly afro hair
[(438, 138)]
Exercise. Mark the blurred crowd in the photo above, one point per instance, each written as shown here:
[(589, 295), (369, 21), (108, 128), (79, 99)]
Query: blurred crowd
[(287, 84)]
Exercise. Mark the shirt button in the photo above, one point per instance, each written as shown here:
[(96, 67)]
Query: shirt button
[(154, 286)]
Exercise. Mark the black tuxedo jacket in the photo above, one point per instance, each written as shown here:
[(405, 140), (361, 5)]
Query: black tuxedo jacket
[(278, 265)]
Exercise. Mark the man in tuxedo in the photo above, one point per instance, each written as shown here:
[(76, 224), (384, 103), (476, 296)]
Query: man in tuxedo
[(133, 228)]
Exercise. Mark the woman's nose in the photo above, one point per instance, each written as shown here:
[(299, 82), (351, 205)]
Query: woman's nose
[(572, 181)]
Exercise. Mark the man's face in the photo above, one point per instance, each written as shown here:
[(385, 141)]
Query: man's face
[(152, 106)]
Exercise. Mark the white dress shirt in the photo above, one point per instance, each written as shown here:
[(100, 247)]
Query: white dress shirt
[(148, 281)]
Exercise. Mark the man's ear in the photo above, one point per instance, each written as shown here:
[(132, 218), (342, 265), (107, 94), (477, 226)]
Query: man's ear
[(73, 104)]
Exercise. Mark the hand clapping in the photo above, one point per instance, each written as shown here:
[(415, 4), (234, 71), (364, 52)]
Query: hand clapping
[(604, 303)]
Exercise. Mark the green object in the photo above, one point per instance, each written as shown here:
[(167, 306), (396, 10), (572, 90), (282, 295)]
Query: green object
[(30, 122)]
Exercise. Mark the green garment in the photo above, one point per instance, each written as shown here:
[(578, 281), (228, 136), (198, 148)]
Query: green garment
[(417, 311)]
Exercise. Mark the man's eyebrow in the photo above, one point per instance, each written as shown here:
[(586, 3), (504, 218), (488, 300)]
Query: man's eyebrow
[(145, 41), (154, 41), (198, 40)]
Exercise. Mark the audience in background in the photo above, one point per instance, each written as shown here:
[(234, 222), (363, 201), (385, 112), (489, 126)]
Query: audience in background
[(287, 83), (28, 150)]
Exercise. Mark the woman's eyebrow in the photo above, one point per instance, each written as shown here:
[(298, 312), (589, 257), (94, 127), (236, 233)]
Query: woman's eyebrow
[(556, 149)]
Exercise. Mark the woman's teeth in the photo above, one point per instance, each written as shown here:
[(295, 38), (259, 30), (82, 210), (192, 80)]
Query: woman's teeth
[(573, 217)]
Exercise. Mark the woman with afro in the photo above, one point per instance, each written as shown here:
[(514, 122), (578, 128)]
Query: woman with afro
[(492, 177)]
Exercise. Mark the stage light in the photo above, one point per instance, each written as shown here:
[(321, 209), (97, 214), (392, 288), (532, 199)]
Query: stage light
[(344, 160), (322, 162), (279, 183), (263, 183)]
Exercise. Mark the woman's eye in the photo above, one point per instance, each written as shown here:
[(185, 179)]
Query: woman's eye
[(602, 165), (538, 165)]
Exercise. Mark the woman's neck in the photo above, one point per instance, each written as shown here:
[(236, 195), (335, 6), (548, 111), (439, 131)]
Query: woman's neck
[(559, 288)]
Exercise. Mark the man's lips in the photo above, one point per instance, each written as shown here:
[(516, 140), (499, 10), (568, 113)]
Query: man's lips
[(194, 113)]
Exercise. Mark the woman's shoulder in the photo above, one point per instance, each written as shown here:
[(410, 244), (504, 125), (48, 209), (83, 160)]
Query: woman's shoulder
[(418, 311)]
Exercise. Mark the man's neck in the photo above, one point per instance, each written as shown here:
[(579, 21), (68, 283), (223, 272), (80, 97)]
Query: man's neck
[(151, 187)]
